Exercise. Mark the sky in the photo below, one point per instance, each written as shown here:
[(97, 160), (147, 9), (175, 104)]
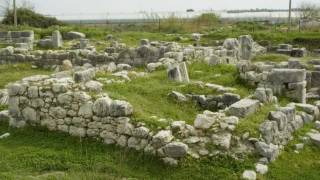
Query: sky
[(57, 7)]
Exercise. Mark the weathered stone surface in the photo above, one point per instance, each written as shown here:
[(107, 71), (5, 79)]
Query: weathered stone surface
[(30, 115), (203, 121), (231, 43), (280, 118), (74, 35), (264, 95), (177, 96), (222, 140), (244, 107), (66, 65), (93, 86), (249, 175), (176, 150), (86, 110), (281, 76), (246, 47), (120, 108), (84, 76), (162, 138), (141, 132), (178, 72), (230, 98), (75, 131), (57, 41), (154, 66), (261, 168), (315, 138), (270, 151), (102, 106), (269, 130), (57, 112)]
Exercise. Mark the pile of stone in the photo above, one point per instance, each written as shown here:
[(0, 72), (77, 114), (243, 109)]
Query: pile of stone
[(234, 50), (19, 38)]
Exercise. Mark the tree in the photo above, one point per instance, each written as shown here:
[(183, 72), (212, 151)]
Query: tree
[(309, 10)]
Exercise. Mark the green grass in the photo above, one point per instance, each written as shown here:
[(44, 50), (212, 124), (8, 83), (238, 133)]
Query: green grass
[(12, 73), (32, 152), (271, 58), (148, 95)]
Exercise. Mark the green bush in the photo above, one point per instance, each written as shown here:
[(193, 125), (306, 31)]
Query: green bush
[(29, 17)]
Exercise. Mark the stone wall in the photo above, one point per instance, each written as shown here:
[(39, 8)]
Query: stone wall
[(18, 38), (58, 103), (290, 79), (277, 131)]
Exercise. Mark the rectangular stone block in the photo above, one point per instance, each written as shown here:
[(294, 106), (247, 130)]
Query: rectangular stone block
[(244, 107), (281, 76)]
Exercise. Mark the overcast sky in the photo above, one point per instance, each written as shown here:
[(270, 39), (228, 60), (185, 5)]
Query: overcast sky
[(56, 7)]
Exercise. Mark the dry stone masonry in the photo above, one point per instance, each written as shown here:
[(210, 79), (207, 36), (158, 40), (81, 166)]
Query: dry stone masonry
[(18, 38), (71, 101)]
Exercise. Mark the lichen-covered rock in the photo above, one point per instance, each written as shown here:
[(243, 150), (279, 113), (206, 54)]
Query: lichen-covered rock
[(93, 86), (57, 112), (84, 76), (66, 65), (204, 121), (141, 132), (102, 106), (244, 107), (120, 108), (177, 96), (161, 138), (29, 114), (175, 149), (74, 35), (249, 175), (270, 151), (86, 110), (76, 131), (222, 140)]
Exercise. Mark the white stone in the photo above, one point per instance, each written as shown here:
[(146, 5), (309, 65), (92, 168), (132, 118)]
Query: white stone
[(261, 168), (249, 175)]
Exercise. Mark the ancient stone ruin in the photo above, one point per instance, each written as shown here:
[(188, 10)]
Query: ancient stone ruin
[(72, 100)]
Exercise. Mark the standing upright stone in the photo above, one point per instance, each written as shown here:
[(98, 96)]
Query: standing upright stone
[(84, 43), (57, 39), (246, 47), (178, 72)]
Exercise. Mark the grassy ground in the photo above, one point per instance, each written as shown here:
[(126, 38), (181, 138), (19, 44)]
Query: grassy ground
[(290, 165), (154, 101), (38, 154), (12, 73)]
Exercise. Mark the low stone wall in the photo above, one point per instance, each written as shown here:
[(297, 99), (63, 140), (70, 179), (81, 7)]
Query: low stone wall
[(277, 131), (18, 37), (61, 104)]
